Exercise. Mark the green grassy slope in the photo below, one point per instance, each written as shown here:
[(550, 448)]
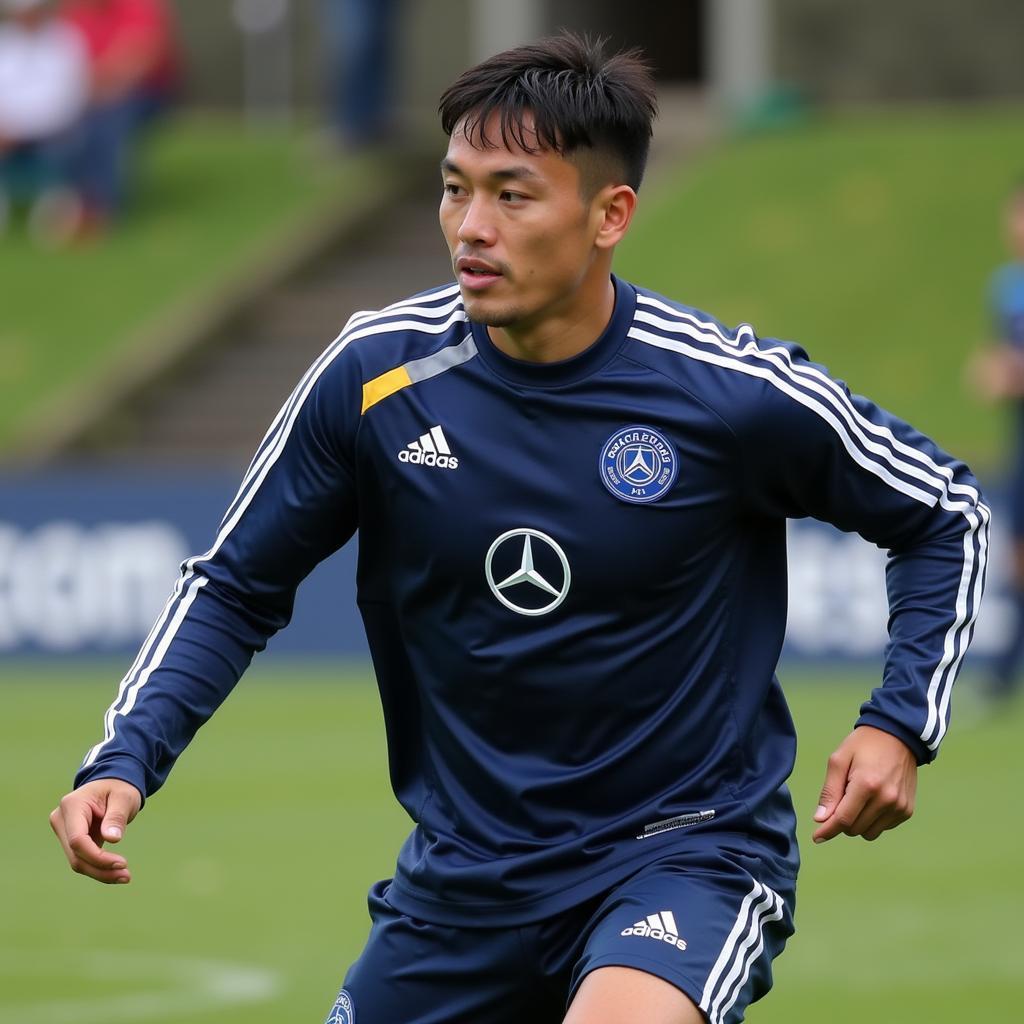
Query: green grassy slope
[(251, 867), (213, 196), (869, 238)]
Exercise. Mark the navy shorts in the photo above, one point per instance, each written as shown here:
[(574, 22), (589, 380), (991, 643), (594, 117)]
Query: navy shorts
[(709, 922)]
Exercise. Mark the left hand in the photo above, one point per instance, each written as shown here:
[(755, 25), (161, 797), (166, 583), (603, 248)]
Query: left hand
[(870, 786)]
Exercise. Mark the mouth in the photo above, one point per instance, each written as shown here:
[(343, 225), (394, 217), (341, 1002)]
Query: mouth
[(476, 274)]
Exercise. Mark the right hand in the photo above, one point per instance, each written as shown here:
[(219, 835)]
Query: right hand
[(90, 816)]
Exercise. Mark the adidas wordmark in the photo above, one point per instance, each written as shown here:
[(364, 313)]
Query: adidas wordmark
[(430, 449), (661, 927)]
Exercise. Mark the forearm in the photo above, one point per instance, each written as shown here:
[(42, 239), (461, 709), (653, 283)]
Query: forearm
[(935, 589), (195, 654)]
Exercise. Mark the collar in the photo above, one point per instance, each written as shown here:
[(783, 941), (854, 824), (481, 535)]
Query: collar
[(565, 371)]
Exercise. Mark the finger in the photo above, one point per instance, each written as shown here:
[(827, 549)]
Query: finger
[(118, 873), (889, 817), (58, 825), (86, 850), (836, 774), (878, 826), (844, 815), (887, 805), (867, 812), (885, 821), (78, 823), (872, 819), (109, 876), (121, 807)]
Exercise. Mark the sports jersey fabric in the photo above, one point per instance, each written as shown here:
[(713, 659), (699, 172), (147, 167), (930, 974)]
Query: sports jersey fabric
[(573, 582)]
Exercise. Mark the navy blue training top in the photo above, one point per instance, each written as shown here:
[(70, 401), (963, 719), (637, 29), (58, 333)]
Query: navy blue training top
[(573, 582)]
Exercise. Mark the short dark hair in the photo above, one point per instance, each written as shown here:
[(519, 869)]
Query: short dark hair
[(575, 97)]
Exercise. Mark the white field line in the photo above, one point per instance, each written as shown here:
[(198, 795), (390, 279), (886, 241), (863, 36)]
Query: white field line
[(177, 986)]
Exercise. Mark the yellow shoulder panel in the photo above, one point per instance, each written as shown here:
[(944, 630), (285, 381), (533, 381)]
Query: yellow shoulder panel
[(382, 387)]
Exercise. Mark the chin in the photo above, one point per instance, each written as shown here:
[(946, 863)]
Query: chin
[(492, 316)]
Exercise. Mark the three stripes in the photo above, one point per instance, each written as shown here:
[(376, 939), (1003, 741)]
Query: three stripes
[(432, 441), (744, 945), (187, 588), (871, 445)]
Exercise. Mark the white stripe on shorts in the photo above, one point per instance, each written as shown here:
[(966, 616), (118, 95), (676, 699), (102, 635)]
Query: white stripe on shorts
[(743, 946)]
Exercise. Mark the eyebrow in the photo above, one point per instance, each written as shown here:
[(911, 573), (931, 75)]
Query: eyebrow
[(516, 171)]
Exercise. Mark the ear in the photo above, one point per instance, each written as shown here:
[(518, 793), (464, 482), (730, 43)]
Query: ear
[(614, 205)]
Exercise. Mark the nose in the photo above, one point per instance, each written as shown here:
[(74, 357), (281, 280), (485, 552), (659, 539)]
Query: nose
[(477, 228)]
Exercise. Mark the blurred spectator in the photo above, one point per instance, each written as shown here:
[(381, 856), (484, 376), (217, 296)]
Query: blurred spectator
[(135, 76), (360, 54), (43, 90), (998, 374)]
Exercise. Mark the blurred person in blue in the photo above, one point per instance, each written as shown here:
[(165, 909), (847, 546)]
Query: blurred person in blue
[(135, 76), (360, 40), (44, 83), (998, 375)]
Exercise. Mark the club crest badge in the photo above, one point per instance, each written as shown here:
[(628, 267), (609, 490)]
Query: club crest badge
[(638, 464), (344, 1011)]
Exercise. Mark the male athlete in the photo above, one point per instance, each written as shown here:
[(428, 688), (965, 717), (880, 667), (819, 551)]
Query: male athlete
[(571, 497)]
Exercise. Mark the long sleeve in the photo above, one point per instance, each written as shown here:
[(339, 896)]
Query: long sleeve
[(810, 448), (296, 505)]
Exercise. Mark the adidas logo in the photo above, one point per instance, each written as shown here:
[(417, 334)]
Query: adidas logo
[(429, 449), (661, 927)]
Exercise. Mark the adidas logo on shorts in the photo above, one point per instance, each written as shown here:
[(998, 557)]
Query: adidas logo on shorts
[(429, 449), (661, 927)]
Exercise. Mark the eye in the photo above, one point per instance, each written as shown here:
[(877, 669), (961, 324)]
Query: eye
[(453, 190), (511, 197)]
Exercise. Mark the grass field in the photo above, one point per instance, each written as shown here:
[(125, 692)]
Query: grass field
[(251, 867)]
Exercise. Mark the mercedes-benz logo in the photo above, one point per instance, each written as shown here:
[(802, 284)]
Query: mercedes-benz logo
[(527, 577), (639, 464)]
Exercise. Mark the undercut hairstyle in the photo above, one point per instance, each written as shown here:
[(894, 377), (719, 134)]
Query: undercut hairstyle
[(561, 94)]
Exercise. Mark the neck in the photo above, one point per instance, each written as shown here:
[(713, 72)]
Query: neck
[(561, 333)]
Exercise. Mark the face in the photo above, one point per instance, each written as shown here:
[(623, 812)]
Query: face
[(523, 239)]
